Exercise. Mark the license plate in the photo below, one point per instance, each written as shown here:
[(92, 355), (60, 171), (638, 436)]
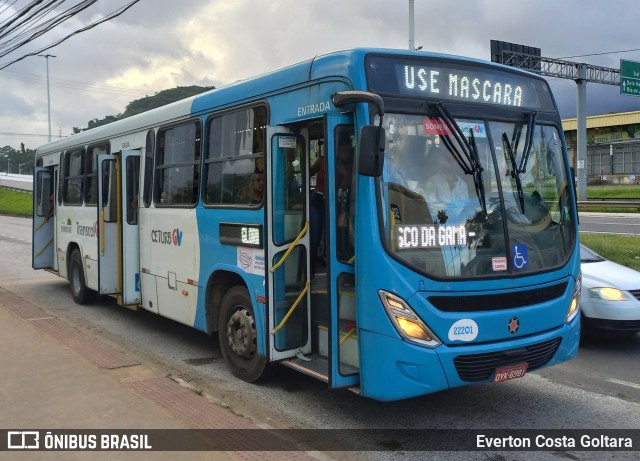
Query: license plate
[(511, 372)]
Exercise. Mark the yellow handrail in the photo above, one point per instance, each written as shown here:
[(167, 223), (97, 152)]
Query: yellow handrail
[(41, 224), (347, 336), (44, 247), (103, 241), (295, 304), (286, 255)]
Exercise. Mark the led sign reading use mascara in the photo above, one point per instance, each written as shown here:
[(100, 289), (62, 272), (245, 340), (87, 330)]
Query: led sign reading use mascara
[(461, 86)]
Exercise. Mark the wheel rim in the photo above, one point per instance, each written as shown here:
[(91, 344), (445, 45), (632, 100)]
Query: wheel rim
[(241, 333)]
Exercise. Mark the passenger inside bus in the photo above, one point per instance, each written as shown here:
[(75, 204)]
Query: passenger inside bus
[(51, 209), (257, 188), (344, 180), (393, 163), (316, 202), (445, 191)]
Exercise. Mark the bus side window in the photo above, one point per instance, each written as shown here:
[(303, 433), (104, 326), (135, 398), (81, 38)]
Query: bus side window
[(133, 189), (148, 168), (45, 194), (234, 157), (109, 191), (178, 165)]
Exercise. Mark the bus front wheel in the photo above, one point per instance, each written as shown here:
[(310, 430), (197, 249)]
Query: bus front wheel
[(81, 294), (238, 336)]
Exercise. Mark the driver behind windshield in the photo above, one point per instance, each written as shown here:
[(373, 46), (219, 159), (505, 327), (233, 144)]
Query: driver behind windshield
[(445, 190)]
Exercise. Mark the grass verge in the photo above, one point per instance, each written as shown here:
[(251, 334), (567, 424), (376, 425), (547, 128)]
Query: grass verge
[(15, 203), (623, 249)]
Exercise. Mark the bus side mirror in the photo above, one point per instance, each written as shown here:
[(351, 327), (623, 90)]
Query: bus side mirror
[(371, 150)]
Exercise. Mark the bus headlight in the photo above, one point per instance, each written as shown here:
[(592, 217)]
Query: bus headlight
[(406, 321), (574, 307)]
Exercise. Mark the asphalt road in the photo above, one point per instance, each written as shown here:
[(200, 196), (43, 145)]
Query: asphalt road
[(600, 389), (606, 223)]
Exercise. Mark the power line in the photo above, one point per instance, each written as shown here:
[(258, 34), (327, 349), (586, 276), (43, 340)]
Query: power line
[(599, 54), (39, 30), (32, 20), (112, 15), (72, 85), (31, 134)]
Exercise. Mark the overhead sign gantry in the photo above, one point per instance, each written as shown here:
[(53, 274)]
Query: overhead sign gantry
[(531, 59)]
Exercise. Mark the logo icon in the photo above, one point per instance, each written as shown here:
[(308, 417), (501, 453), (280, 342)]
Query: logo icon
[(245, 259), (514, 325), (177, 237), (23, 440), (520, 256)]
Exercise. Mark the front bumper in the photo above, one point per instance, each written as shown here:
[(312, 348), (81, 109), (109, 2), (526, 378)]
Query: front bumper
[(393, 369)]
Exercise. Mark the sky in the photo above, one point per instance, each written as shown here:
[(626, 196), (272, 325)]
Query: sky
[(161, 44)]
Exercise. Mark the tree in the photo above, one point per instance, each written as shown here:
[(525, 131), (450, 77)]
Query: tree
[(14, 161)]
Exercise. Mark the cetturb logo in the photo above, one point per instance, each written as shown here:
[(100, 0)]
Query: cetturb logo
[(167, 238)]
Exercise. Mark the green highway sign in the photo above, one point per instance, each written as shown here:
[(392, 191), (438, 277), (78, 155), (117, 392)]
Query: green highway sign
[(630, 77)]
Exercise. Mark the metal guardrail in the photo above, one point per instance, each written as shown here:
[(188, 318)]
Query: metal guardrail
[(16, 189), (610, 203)]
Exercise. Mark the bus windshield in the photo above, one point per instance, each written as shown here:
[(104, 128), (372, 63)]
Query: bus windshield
[(475, 197)]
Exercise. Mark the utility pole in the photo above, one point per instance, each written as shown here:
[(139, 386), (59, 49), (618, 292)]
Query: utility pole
[(47, 56), (581, 141), (412, 31)]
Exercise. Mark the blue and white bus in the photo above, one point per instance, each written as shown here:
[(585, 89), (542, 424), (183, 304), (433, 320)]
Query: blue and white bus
[(393, 222)]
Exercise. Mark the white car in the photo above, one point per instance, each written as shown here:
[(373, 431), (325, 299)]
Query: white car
[(610, 296)]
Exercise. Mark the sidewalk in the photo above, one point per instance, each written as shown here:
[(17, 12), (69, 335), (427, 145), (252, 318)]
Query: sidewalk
[(57, 377)]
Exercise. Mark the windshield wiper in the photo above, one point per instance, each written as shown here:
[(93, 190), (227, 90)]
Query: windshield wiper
[(470, 163), (477, 168), (531, 123), (514, 169)]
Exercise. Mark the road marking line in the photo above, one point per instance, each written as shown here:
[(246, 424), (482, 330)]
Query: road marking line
[(604, 232), (624, 383)]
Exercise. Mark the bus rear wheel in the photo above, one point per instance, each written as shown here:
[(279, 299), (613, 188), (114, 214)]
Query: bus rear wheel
[(81, 294), (238, 336)]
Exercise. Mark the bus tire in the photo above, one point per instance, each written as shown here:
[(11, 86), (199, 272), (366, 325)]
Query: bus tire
[(238, 336), (81, 294)]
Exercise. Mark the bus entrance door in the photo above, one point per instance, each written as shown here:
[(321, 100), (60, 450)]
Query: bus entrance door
[(287, 245), (343, 342)]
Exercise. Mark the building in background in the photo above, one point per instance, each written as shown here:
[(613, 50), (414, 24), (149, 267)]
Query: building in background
[(613, 147)]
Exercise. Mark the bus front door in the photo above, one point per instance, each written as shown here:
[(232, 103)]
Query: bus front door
[(343, 347), (287, 245)]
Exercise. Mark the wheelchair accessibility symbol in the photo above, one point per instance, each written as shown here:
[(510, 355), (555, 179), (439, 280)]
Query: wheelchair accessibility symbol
[(520, 256)]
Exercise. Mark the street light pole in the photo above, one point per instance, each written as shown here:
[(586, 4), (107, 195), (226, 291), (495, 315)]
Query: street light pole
[(47, 56), (412, 33)]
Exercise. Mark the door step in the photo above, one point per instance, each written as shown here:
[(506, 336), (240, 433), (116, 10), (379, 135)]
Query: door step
[(317, 367)]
